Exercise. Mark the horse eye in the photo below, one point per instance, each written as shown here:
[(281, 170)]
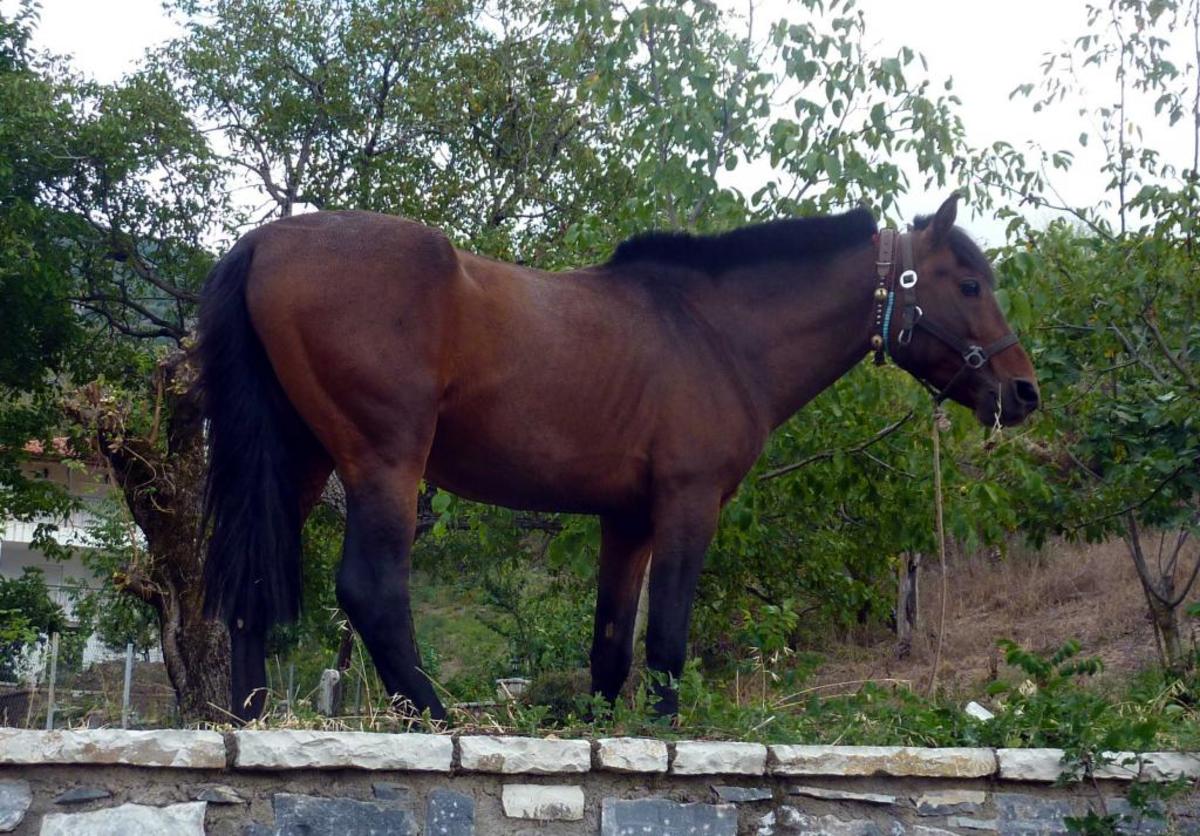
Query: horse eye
[(970, 287)]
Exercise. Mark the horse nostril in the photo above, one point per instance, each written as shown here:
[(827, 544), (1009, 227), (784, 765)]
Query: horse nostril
[(1026, 392)]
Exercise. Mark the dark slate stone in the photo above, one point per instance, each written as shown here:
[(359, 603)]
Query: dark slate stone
[(1135, 823), (449, 813), (1018, 814), (386, 791), (742, 795), (789, 821), (15, 798), (78, 795), (257, 828), (308, 815), (666, 818)]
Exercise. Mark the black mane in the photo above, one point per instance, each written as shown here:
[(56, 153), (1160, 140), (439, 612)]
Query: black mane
[(785, 239)]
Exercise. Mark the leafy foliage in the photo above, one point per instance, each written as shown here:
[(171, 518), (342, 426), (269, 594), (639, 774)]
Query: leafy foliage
[(27, 619)]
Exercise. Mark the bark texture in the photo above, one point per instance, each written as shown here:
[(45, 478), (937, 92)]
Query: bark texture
[(160, 472)]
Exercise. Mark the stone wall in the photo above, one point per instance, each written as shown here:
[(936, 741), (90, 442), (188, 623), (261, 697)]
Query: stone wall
[(310, 782)]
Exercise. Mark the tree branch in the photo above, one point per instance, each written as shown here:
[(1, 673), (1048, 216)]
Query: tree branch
[(829, 454)]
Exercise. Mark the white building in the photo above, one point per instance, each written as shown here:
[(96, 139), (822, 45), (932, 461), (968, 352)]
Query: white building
[(90, 485)]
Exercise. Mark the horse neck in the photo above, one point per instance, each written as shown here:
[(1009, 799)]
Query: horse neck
[(798, 327)]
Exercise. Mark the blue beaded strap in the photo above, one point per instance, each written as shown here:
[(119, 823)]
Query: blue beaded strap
[(887, 319)]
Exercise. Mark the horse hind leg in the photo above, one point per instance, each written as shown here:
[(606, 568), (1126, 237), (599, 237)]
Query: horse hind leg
[(248, 643), (624, 551), (373, 580)]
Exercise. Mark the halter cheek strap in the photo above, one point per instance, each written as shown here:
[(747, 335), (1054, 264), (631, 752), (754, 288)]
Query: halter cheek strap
[(904, 287)]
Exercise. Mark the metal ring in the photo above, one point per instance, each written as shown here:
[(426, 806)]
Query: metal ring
[(908, 279), (919, 313), (904, 337), (975, 358)]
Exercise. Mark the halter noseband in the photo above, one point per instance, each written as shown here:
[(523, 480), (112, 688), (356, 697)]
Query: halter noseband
[(904, 285)]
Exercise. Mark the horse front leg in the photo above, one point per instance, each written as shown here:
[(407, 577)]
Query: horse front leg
[(624, 550), (373, 582), (684, 523)]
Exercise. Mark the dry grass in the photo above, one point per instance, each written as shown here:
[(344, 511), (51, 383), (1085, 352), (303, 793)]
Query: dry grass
[(1038, 599)]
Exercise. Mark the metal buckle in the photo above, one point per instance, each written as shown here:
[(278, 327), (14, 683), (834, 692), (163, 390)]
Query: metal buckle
[(975, 358), (908, 279)]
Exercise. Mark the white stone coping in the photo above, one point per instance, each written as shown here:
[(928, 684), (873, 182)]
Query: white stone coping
[(632, 754), (521, 755), (300, 749), (179, 748), (1047, 765), (892, 761), (700, 757), (306, 749)]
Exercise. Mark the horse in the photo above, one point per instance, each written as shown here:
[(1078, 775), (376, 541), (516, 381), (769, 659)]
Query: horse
[(640, 390)]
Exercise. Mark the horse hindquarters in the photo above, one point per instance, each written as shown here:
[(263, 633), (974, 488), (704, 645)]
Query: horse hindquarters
[(263, 464)]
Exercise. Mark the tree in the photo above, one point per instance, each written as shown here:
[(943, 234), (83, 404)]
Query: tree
[(1118, 287), (27, 619)]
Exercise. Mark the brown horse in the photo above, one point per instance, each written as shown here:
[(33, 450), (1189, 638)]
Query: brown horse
[(641, 390)]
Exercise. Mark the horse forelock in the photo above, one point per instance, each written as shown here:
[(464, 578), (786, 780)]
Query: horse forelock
[(964, 249)]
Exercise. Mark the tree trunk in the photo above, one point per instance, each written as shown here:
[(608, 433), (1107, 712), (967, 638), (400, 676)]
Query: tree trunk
[(1166, 623), (161, 475), (1161, 598), (196, 653), (907, 603)]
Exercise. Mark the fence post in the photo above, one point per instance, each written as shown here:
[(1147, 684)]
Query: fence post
[(290, 685), (128, 683), (53, 678)]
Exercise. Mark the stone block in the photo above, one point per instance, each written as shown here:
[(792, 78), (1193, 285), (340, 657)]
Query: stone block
[(965, 823), (666, 818), (1030, 764), (449, 813), (631, 754), (309, 815), (162, 747), (789, 821), (515, 755), (15, 798), (742, 795), (217, 794), (843, 795), (1047, 765), (698, 757), (390, 791), (1018, 814), (542, 802), (342, 750), (129, 820), (79, 795), (896, 761), (948, 802)]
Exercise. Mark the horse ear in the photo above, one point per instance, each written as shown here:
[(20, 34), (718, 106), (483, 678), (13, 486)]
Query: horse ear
[(943, 221)]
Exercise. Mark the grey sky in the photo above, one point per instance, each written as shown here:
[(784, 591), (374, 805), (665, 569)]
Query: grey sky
[(986, 48)]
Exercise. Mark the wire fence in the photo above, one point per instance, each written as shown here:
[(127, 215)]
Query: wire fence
[(127, 693)]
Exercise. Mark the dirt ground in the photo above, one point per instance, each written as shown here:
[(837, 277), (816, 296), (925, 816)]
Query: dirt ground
[(1039, 599)]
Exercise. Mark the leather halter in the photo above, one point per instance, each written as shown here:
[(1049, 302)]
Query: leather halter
[(904, 286)]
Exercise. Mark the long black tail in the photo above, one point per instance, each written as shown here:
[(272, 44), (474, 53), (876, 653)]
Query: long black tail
[(255, 444)]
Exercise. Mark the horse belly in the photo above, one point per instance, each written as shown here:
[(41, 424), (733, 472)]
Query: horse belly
[(536, 468)]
